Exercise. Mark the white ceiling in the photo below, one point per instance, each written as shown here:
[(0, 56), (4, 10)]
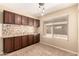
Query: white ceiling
[(33, 8)]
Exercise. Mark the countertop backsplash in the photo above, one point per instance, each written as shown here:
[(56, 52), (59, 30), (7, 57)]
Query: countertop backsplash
[(12, 30)]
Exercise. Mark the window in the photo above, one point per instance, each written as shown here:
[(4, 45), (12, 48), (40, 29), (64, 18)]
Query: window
[(57, 28)]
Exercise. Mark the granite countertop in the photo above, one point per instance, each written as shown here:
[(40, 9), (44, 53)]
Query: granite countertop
[(18, 35)]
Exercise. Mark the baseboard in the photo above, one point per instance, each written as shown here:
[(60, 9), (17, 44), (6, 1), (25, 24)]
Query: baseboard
[(1, 52), (59, 48)]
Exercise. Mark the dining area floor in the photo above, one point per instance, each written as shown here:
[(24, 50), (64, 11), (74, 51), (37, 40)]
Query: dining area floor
[(39, 50)]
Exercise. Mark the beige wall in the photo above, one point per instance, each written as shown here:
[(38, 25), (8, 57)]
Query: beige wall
[(72, 42), (78, 29), (1, 41)]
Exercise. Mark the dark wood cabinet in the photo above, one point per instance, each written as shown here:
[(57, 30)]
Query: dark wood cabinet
[(36, 38), (8, 45), (31, 22), (17, 43), (24, 20), (36, 23), (30, 39), (24, 41), (13, 18), (8, 17), (18, 20)]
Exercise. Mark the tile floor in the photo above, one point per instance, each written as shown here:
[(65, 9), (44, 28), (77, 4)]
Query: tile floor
[(39, 50)]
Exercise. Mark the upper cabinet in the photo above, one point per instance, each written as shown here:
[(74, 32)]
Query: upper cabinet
[(36, 23), (24, 20), (8, 17), (13, 18), (18, 19), (31, 22)]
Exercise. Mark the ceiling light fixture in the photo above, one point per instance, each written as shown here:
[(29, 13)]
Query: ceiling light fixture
[(41, 6)]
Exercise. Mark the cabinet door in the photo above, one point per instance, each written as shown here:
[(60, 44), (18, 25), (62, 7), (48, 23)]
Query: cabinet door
[(24, 41), (17, 43), (31, 38), (36, 23), (24, 20), (8, 17), (37, 38), (18, 19), (8, 45), (31, 22)]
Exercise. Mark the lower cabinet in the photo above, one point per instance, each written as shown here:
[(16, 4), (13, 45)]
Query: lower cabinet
[(8, 45), (36, 38), (30, 39), (24, 41), (15, 43)]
